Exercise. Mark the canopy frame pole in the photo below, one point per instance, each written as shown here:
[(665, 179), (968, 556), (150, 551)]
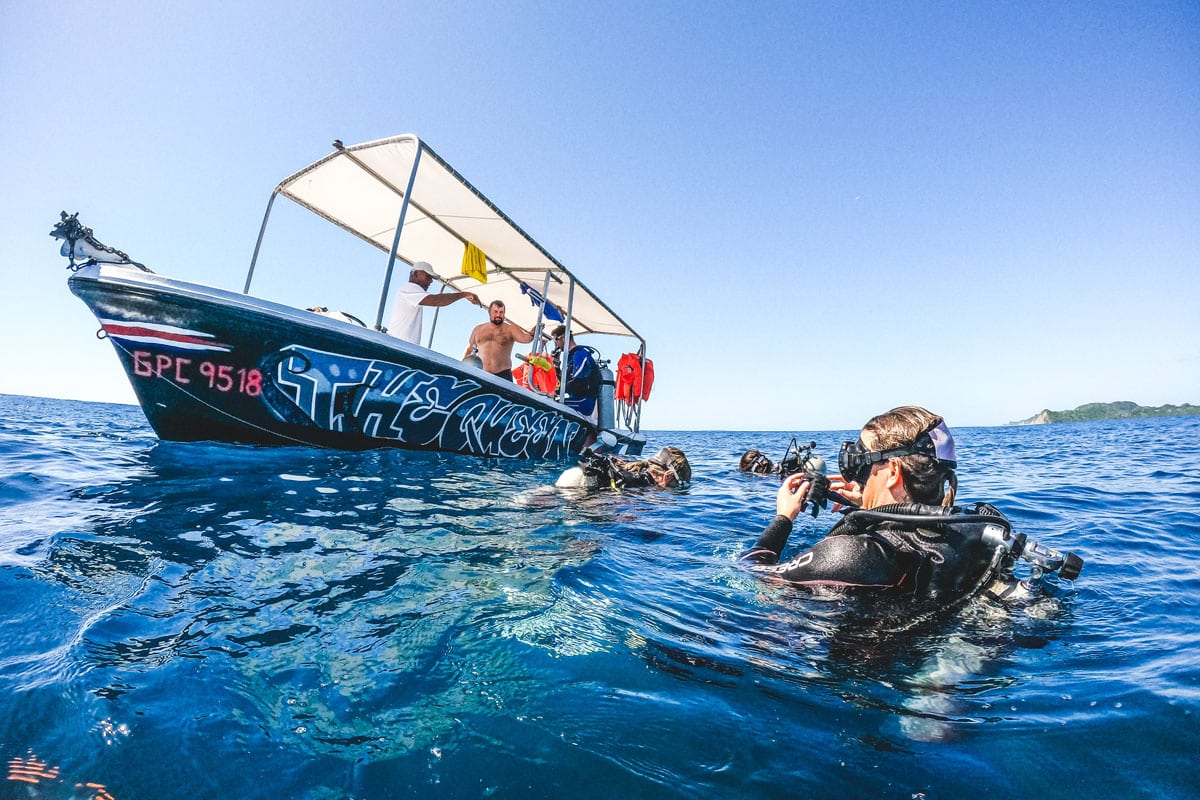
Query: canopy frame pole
[(262, 230), (537, 329), (387, 278), (565, 362), (433, 325), (637, 416)]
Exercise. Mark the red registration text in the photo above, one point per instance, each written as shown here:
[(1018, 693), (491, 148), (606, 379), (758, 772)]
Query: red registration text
[(181, 370)]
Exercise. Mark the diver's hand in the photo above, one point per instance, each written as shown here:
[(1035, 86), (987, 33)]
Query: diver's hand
[(789, 500), (850, 491)]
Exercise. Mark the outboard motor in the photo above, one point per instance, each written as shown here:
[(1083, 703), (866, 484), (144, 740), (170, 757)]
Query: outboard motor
[(606, 410)]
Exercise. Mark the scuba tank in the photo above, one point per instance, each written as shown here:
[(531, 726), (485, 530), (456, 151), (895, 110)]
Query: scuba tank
[(592, 458), (606, 413), (573, 478)]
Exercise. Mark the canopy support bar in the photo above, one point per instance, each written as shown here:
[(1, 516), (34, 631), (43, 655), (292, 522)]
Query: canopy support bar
[(433, 325), (258, 244), (565, 366), (387, 278), (541, 317)]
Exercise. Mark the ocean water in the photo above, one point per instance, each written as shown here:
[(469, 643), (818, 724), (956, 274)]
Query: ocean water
[(195, 620)]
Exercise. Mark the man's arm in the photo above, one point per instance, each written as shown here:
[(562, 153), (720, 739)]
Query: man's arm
[(520, 334), (446, 298), (771, 543), (788, 501), (471, 343), (839, 562)]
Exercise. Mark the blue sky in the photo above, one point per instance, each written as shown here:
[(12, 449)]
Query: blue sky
[(812, 211)]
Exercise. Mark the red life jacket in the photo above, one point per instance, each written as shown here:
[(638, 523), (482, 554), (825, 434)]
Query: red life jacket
[(633, 379), (542, 380)]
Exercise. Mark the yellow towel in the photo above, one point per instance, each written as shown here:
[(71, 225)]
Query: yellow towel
[(474, 263)]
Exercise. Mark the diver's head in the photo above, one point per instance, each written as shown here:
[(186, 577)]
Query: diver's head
[(756, 462), (669, 467), (559, 335), (496, 312), (903, 455)]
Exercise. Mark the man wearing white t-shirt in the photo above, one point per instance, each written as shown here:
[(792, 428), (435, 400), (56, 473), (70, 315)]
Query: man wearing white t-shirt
[(412, 297)]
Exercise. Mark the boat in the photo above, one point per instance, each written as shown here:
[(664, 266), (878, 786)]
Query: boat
[(212, 364)]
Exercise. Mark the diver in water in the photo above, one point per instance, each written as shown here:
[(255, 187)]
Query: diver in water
[(796, 458), (906, 541), (666, 469), (753, 461)]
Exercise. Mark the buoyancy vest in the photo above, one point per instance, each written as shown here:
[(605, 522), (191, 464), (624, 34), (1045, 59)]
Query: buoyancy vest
[(612, 471), (943, 560), (907, 563)]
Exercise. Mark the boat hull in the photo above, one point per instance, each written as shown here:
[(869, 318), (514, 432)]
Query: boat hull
[(212, 365)]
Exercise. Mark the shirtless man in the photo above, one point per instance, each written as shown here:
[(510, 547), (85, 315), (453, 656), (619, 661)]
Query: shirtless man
[(493, 341)]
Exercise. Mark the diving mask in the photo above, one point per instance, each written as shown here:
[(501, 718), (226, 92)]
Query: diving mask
[(675, 463), (855, 460), (757, 463)]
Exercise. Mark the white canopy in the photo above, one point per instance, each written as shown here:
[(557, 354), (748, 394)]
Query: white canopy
[(362, 188)]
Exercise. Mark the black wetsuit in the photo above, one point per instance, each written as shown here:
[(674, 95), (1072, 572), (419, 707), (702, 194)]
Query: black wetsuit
[(934, 560)]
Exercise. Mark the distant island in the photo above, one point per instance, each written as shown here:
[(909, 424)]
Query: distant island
[(1120, 410)]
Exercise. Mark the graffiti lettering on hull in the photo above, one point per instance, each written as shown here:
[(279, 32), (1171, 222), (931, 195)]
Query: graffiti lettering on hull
[(420, 409)]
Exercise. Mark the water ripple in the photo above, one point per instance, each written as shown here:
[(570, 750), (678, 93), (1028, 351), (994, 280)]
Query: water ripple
[(390, 624)]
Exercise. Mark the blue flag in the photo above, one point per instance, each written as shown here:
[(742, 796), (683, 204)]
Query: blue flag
[(549, 311)]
